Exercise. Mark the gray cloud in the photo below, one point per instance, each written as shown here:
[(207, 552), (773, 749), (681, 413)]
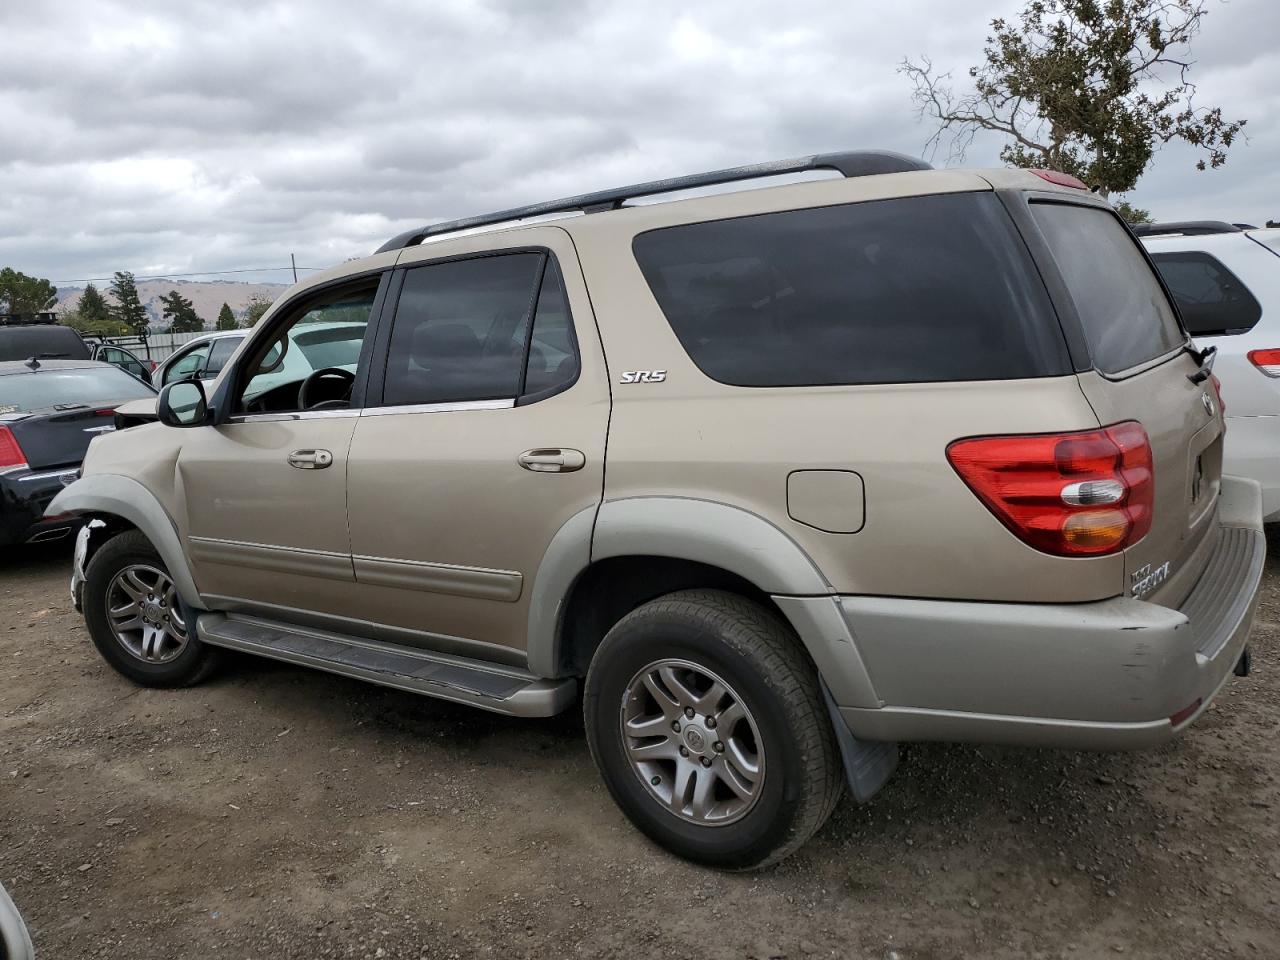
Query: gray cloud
[(222, 135)]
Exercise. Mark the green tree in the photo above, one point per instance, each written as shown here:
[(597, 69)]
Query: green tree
[(226, 319), (1131, 213), (254, 311), (1087, 87), (181, 313), (92, 314), (128, 309), (22, 294)]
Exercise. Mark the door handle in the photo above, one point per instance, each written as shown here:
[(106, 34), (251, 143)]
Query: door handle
[(310, 459), (552, 460)]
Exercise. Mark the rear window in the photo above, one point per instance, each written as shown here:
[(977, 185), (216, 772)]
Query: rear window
[(1126, 316), (47, 388), (23, 343), (1213, 301), (933, 288)]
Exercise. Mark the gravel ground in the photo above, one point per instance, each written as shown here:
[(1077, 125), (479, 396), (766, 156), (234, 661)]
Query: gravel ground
[(279, 813)]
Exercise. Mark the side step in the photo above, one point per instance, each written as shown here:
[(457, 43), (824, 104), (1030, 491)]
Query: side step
[(492, 687)]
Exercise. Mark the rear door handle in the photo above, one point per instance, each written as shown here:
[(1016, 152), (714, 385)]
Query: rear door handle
[(552, 460), (310, 459)]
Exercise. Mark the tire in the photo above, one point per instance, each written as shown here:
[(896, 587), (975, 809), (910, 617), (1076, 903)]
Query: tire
[(704, 637), (157, 653)]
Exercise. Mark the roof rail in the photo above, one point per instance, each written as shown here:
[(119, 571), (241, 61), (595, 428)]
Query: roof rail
[(854, 163), (1186, 228), (26, 319)]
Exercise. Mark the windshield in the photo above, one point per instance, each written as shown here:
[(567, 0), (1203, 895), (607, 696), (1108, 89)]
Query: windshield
[(333, 347), (84, 386)]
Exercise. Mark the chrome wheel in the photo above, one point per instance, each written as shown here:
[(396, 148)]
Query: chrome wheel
[(145, 615), (693, 743)]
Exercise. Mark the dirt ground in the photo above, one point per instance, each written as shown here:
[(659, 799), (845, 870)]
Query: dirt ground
[(279, 813)]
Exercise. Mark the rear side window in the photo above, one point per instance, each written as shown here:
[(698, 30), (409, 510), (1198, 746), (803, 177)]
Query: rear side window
[(1213, 301), (553, 349), (918, 289), (41, 340), (1127, 318), (219, 354)]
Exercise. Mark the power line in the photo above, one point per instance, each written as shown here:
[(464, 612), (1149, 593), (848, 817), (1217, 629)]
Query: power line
[(205, 273)]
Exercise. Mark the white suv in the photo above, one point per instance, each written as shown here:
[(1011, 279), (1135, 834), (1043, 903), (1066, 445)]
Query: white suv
[(1226, 281)]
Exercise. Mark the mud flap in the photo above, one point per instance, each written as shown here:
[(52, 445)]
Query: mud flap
[(868, 764)]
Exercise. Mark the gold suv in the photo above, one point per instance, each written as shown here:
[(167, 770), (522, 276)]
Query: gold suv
[(774, 478)]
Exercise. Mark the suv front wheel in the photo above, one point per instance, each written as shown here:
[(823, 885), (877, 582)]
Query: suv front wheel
[(708, 725), (136, 619)]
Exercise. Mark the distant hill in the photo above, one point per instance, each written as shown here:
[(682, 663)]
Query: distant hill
[(208, 296)]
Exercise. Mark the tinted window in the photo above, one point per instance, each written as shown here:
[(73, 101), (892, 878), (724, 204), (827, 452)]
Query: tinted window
[(1212, 300), (1126, 316), (187, 365), (460, 328), (219, 353), (23, 343), (47, 387), (123, 359), (553, 349), (892, 291)]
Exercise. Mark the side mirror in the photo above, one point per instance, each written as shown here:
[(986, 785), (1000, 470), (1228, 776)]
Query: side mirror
[(183, 404), (274, 357)]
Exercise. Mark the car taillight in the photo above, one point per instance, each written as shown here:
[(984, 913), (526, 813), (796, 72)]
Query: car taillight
[(1268, 361), (11, 455), (1069, 494)]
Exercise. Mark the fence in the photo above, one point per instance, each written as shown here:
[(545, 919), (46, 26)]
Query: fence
[(158, 346)]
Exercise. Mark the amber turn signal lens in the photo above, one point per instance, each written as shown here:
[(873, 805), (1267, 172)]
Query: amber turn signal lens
[(1096, 529)]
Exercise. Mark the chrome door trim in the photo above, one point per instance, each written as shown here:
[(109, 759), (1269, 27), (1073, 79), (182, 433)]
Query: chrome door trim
[(457, 407), (297, 415)]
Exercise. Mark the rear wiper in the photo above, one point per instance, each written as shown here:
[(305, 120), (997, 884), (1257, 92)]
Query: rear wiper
[(1204, 359)]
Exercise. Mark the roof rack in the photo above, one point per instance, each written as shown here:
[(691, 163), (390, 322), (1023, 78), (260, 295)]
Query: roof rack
[(854, 163), (26, 319), (1186, 228)]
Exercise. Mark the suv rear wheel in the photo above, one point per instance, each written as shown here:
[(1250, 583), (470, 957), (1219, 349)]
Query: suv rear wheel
[(708, 725), (136, 619)]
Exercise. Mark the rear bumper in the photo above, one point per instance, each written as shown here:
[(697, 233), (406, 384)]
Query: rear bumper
[(24, 495), (1105, 675)]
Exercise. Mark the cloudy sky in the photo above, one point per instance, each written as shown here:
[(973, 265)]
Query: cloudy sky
[(204, 136)]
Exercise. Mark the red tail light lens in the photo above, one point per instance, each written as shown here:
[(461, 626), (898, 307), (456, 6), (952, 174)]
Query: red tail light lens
[(1268, 361), (11, 455), (1068, 494)]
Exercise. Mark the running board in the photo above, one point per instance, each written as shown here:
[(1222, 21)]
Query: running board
[(488, 686)]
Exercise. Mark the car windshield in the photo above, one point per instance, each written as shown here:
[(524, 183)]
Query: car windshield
[(330, 347), (87, 385)]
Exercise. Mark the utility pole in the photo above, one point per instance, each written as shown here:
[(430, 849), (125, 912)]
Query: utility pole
[(294, 261)]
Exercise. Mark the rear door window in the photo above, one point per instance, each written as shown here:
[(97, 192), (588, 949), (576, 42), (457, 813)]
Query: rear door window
[(934, 288), (1127, 318), (1213, 301), (460, 330), (219, 353)]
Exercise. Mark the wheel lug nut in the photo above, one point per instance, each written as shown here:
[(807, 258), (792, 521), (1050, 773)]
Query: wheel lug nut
[(719, 747), (676, 726), (684, 751), (711, 723), (688, 712), (706, 761)]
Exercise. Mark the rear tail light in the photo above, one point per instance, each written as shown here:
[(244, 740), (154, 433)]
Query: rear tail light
[(1268, 361), (1068, 494), (11, 455)]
